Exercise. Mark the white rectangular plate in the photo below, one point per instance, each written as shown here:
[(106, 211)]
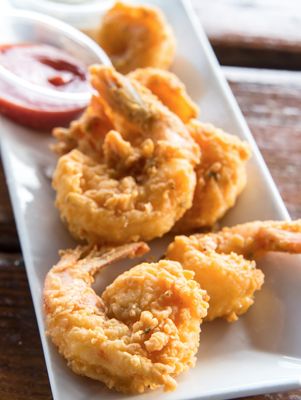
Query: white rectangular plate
[(262, 351)]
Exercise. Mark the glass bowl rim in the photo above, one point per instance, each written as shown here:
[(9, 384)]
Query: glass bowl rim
[(68, 31)]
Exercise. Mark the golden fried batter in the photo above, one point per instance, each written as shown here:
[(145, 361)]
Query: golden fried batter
[(144, 181), (223, 264), (221, 175), (140, 334), (87, 133), (136, 37), (169, 89)]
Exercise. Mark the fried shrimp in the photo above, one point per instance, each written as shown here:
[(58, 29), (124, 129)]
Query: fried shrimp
[(140, 334), (223, 263), (145, 180), (221, 175), (87, 133), (169, 89), (136, 37)]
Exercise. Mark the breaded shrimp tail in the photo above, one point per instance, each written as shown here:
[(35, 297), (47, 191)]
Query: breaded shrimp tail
[(169, 89)]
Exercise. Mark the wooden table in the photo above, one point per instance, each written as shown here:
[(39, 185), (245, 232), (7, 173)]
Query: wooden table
[(271, 103)]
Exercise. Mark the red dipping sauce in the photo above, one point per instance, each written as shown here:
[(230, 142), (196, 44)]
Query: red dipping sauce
[(45, 67)]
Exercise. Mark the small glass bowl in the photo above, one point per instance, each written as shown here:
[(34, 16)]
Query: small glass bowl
[(18, 27)]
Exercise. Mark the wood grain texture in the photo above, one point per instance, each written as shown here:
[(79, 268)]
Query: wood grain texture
[(254, 33), (8, 233), (271, 105), (270, 102), (22, 368), (292, 395)]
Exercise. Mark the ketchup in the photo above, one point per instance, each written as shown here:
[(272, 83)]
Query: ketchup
[(44, 66)]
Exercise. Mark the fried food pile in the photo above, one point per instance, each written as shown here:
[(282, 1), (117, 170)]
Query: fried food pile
[(156, 168), (142, 179), (136, 165), (143, 331)]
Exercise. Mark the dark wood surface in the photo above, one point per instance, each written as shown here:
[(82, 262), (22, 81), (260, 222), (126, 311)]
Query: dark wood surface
[(271, 103), (253, 33)]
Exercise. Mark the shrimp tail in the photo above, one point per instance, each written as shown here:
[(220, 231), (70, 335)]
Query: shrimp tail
[(281, 239), (92, 259), (100, 259), (129, 100), (256, 238)]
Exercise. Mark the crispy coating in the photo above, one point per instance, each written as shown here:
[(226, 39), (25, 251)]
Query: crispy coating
[(169, 89), (223, 263), (229, 279), (221, 176), (221, 173), (143, 181), (136, 37), (140, 334), (86, 134)]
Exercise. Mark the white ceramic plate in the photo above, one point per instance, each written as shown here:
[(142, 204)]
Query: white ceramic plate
[(262, 351)]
